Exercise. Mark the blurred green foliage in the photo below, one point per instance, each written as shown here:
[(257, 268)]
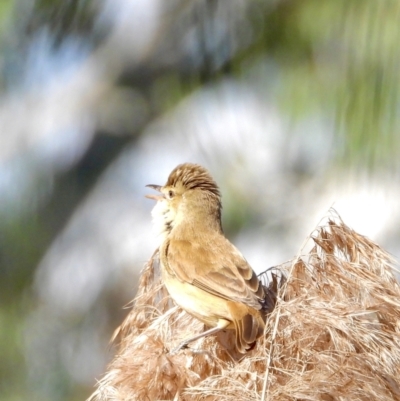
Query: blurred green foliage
[(341, 58), (65, 18), (6, 8)]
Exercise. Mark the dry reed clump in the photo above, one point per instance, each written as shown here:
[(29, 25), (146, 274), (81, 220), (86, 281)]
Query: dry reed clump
[(333, 335)]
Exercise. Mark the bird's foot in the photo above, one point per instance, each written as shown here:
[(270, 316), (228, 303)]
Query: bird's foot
[(182, 345)]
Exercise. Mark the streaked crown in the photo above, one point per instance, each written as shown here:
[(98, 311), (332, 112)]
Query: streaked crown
[(193, 176)]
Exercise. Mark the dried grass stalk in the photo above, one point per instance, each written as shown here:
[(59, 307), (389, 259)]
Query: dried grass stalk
[(333, 335)]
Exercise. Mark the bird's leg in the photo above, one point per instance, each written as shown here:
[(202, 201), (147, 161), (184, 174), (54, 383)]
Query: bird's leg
[(221, 325)]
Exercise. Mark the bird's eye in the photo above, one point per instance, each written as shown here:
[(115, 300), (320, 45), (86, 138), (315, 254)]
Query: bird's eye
[(171, 193)]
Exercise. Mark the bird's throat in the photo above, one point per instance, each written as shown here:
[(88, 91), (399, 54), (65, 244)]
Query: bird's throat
[(163, 218), (187, 220)]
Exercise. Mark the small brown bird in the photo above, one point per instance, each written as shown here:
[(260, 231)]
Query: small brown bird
[(202, 271)]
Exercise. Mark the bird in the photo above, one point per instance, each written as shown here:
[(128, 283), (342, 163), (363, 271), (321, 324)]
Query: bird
[(204, 273)]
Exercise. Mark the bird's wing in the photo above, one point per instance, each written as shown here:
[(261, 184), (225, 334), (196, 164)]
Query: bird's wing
[(225, 274)]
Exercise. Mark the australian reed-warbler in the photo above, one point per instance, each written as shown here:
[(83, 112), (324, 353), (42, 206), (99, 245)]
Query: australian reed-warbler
[(203, 272)]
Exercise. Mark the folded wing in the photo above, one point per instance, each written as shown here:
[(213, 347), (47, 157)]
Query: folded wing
[(229, 277)]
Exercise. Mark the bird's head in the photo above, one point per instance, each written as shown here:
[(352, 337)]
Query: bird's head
[(190, 196)]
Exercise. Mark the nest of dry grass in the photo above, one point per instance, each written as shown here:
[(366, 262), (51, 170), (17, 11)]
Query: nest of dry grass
[(333, 335)]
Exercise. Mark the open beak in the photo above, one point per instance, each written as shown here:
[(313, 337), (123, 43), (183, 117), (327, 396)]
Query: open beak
[(155, 197)]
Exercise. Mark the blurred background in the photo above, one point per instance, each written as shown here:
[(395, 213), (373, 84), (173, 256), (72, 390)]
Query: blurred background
[(292, 105)]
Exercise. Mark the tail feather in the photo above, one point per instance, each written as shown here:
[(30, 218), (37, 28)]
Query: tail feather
[(248, 330), (251, 329), (249, 323)]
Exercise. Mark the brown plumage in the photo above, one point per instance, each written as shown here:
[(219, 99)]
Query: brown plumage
[(203, 272)]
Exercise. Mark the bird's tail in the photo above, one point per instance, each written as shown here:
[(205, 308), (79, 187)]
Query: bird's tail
[(250, 323), (248, 329)]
